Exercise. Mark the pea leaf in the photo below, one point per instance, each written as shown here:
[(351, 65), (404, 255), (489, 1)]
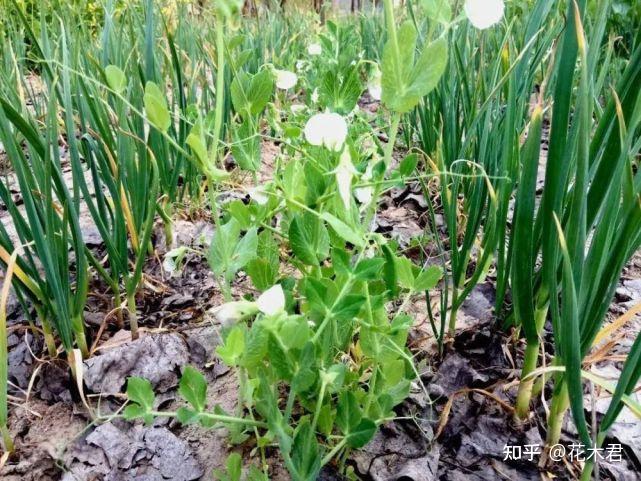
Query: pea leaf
[(251, 93), (428, 278), (228, 253), (404, 272), (139, 390), (232, 349), (306, 374), (193, 387), (246, 146), (187, 416), (156, 107), (267, 407), (438, 10), (369, 269), (362, 434), (389, 271), (408, 164), (334, 376), (348, 307), (309, 239), (340, 91), (343, 230), (141, 394), (116, 79), (404, 83), (233, 471), (395, 69), (348, 413), (428, 69), (306, 453)]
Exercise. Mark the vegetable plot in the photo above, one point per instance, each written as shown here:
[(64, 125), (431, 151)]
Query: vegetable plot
[(340, 239)]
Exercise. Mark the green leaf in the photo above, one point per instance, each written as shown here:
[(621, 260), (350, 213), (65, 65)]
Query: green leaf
[(438, 10), (263, 270), (428, 69), (196, 143), (343, 230), (156, 107), (245, 250), (348, 413), (404, 272), (389, 271), (116, 79), (405, 83), (186, 416), (223, 246), (262, 273), (232, 349), (340, 91), (279, 359), (134, 411), (309, 239), (239, 91), (307, 372), (294, 332), (227, 255), (326, 420), (306, 453), (362, 434), (141, 393), (369, 269), (139, 390), (260, 91), (428, 279), (233, 471), (395, 70), (267, 407), (334, 376), (348, 307), (256, 346), (341, 261), (408, 164), (251, 94), (241, 212), (193, 387), (246, 147), (393, 372)]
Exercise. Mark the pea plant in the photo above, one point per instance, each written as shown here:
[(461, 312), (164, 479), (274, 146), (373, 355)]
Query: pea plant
[(321, 357)]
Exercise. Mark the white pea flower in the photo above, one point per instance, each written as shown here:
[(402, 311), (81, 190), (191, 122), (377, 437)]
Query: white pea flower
[(374, 86), (272, 301), (258, 195), (285, 79), (297, 108), (327, 129), (173, 260), (484, 13), (300, 65), (315, 96), (354, 112), (365, 194), (232, 312), (370, 252), (314, 49), (344, 174)]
